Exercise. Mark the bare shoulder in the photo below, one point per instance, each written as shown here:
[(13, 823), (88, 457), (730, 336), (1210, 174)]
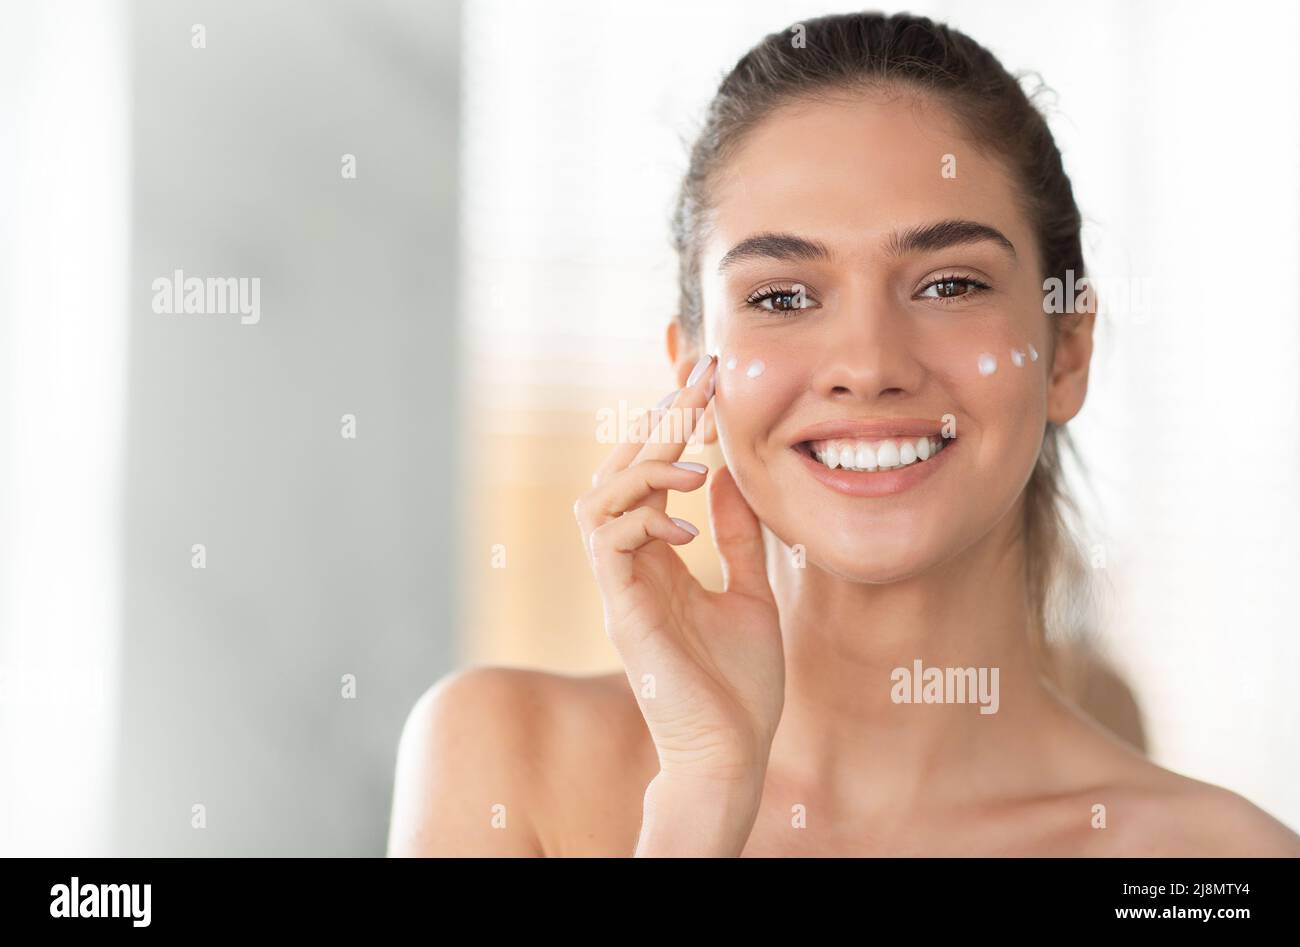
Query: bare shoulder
[(462, 785), (1150, 811), (510, 761), (600, 758), (1135, 807), (1196, 818)]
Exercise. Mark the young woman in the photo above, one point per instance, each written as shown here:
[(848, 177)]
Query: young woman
[(866, 229)]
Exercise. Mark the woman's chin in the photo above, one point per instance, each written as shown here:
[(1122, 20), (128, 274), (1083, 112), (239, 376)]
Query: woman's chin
[(865, 562), (875, 572)]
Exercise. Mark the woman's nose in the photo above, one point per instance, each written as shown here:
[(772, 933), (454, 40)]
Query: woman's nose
[(868, 352)]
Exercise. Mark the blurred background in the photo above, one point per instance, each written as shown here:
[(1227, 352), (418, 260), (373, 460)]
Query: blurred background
[(234, 553)]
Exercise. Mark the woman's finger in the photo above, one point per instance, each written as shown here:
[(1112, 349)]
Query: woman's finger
[(739, 538), (613, 546), (678, 422), (706, 432), (628, 489), (626, 451)]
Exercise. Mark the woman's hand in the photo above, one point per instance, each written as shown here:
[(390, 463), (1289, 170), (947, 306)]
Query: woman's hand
[(707, 668)]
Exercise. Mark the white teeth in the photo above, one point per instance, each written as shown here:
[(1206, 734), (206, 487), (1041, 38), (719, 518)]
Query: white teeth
[(877, 455)]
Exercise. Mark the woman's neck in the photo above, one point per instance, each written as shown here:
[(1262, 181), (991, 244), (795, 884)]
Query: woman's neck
[(858, 721)]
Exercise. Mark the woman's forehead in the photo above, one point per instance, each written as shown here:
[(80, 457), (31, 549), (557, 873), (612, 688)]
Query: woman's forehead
[(856, 168)]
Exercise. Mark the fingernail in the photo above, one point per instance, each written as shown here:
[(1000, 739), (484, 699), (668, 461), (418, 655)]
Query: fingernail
[(667, 399), (698, 371), (693, 468), (686, 526)]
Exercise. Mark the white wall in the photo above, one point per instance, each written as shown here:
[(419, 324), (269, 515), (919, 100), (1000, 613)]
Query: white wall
[(64, 243)]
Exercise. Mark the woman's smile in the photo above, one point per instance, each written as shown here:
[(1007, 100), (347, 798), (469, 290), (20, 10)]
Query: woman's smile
[(873, 467), (872, 457)]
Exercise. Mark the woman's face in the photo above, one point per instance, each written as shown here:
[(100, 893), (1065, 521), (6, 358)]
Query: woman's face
[(922, 319)]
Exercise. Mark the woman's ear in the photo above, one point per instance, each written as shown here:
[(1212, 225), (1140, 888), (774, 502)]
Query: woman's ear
[(681, 352), (1071, 358), (672, 340)]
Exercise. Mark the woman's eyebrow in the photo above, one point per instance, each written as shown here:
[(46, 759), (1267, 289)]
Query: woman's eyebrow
[(944, 234), (926, 237), (774, 246)]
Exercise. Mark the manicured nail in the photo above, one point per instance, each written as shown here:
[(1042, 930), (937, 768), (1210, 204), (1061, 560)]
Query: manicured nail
[(686, 526), (667, 399), (698, 371), (693, 468)]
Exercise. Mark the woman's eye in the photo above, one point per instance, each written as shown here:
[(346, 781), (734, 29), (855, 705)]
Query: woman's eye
[(953, 287), (781, 300)]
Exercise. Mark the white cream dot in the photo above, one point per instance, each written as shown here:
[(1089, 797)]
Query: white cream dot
[(987, 364), (731, 362), (1033, 353), (755, 368), (1017, 358)]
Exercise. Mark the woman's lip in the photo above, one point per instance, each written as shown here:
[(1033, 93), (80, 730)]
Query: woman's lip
[(880, 483), (866, 429)]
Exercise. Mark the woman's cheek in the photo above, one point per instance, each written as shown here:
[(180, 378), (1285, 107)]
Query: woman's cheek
[(753, 390), (1012, 353), (1004, 389), (998, 379)]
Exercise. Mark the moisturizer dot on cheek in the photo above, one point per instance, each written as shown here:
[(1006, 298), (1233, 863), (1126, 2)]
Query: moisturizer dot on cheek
[(1033, 353), (731, 362), (755, 368), (987, 364), (1017, 358)]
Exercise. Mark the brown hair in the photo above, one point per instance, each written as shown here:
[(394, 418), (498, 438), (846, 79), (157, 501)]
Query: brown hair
[(830, 56)]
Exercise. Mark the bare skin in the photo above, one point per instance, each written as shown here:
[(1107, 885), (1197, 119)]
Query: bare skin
[(571, 758), (759, 721)]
